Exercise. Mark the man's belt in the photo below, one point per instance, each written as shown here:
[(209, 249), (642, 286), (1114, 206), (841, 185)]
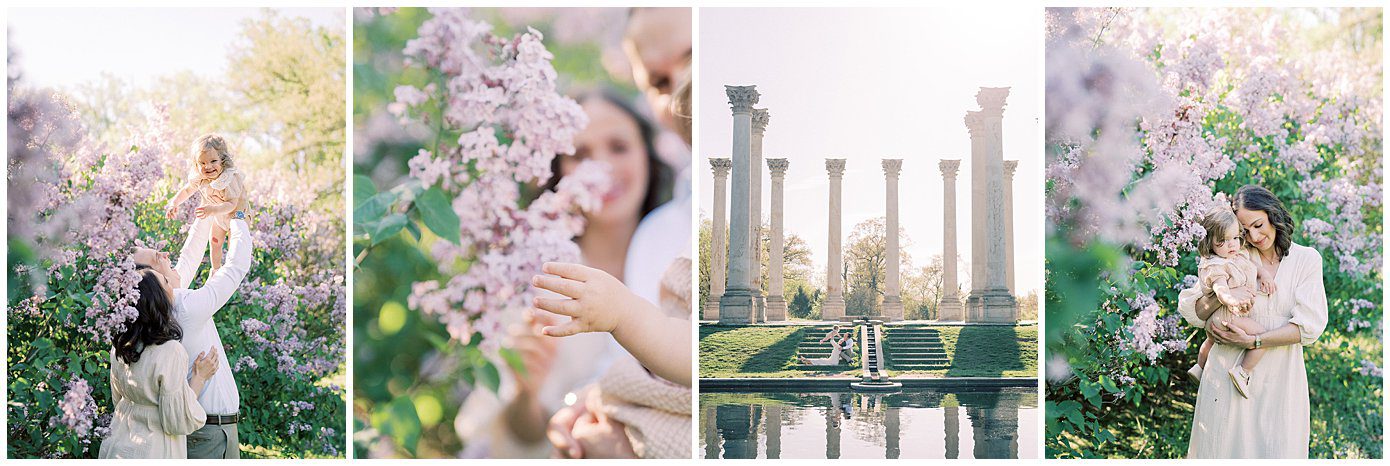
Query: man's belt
[(218, 419)]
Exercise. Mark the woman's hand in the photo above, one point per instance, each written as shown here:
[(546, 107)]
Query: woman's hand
[(1225, 333), (597, 302), (170, 210), (524, 414), (206, 364), (601, 437), (560, 430)]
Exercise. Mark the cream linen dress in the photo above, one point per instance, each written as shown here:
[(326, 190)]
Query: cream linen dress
[(1274, 423), (155, 407)]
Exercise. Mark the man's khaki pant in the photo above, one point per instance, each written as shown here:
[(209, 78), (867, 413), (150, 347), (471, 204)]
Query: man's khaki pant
[(214, 442)]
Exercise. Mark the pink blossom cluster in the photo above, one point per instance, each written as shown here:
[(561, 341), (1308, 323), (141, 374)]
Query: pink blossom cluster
[(78, 408), (499, 94), (1152, 336)]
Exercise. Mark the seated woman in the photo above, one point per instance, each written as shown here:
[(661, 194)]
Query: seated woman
[(837, 347)]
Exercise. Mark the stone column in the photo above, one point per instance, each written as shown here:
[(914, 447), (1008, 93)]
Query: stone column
[(892, 295), (833, 308), (950, 307), (776, 302), (979, 169), (998, 304), (832, 427), (1009, 167), (892, 432), (712, 439), (718, 246), (772, 424), (736, 305), (760, 120)]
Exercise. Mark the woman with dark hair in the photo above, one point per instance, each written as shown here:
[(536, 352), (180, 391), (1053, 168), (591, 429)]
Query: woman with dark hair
[(1275, 424), (513, 423), (156, 399)]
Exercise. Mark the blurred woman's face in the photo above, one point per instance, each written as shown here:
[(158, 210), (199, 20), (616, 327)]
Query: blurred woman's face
[(1258, 231), (613, 137)]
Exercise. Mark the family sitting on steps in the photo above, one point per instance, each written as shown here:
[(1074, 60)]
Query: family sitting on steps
[(841, 348)]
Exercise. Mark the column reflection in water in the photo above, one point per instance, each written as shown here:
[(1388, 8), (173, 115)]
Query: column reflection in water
[(735, 429)]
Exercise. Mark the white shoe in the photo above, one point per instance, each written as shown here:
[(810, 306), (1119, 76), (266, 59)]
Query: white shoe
[(1241, 379), (1195, 373)]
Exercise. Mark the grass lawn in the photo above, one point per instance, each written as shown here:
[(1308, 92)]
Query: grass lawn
[(733, 351)]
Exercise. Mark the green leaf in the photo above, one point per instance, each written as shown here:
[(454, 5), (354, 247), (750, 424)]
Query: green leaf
[(513, 359), (362, 189), (486, 374), (438, 215), (373, 209), (401, 422), (387, 228)]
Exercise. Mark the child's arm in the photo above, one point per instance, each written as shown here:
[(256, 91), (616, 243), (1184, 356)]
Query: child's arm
[(179, 198), (601, 303), (1222, 288), (233, 194)]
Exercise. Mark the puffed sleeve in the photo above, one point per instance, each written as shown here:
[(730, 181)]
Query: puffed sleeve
[(1310, 298), (179, 410), (1187, 306), (115, 392)]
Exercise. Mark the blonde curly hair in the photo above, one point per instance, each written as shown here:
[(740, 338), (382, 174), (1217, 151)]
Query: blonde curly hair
[(212, 142)]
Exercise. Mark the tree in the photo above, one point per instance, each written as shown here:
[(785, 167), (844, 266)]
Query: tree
[(922, 290), (796, 261), (800, 306), (866, 269)]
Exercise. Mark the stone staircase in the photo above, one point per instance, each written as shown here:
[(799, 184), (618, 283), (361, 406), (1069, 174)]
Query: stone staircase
[(915, 349), (873, 367), (811, 347)]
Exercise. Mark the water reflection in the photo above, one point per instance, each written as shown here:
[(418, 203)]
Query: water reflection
[(918, 423)]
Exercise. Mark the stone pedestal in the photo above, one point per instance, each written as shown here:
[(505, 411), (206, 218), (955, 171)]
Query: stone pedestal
[(833, 307), (892, 293), (718, 245), (760, 120), (950, 307), (737, 305), (776, 302)]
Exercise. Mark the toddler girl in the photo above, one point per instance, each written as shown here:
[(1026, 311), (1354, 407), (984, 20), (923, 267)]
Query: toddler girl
[(1225, 268), (223, 193)]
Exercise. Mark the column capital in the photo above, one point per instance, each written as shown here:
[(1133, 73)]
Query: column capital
[(778, 167), (1009, 167), (976, 121), (721, 167), (742, 98), (760, 120), (892, 167), (836, 167), (991, 99), (949, 168)]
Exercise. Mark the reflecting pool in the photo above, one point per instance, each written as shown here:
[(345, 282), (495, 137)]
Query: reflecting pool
[(914, 423)]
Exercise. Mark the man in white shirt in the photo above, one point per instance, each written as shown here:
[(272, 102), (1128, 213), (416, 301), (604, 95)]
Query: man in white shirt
[(194, 310)]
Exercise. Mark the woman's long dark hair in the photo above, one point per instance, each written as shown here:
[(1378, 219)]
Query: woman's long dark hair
[(1255, 197), (154, 325), (658, 188)]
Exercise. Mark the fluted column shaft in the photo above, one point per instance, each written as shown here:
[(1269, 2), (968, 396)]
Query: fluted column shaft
[(719, 248), (1009, 167), (736, 305), (950, 306), (760, 120), (833, 308), (776, 301), (892, 296)]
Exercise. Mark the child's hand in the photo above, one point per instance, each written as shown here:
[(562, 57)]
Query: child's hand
[(598, 302), (170, 211), (1267, 286)]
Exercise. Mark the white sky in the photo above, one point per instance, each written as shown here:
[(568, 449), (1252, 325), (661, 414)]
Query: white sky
[(866, 84), (63, 47)]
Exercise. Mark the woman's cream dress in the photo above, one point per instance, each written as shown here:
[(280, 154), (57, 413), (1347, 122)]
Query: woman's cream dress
[(155, 407), (1273, 423)]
